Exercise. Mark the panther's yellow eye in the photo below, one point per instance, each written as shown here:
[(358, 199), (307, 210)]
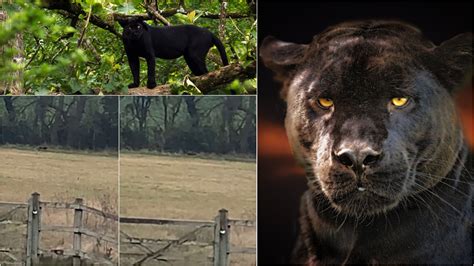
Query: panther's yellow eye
[(399, 101), (325, 102)]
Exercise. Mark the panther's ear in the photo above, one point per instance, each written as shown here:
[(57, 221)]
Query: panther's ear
[(455, 55), (281, 56), (143, 23), (123, 22)]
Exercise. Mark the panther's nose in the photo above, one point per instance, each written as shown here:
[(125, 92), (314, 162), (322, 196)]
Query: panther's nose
[(358, 158)]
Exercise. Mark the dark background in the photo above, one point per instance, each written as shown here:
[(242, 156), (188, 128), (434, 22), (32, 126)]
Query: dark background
[(280, 181)]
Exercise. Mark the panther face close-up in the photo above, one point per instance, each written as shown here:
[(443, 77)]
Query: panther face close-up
[(371, 117)]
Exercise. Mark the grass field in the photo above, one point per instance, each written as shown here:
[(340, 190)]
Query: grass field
[(187, 187), (59, 176), (175, 187)]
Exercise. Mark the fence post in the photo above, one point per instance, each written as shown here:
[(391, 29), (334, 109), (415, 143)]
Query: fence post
[(221, 239), (76, 260), (33, 229)]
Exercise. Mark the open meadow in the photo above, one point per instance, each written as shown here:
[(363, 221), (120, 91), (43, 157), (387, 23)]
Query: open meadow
[(191, 188), (59, 176)]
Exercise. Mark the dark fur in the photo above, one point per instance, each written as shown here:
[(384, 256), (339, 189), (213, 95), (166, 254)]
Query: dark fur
[(169, 42), (417, 204)]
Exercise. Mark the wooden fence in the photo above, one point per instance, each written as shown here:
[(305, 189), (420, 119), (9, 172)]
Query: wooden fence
[(221, 242), (221, 226), (34, 228), (14, 253)]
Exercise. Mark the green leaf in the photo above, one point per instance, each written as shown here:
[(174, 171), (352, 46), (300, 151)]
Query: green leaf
[(42, 92), (126, 8), (97, 8), (191, 16), (74, 85)]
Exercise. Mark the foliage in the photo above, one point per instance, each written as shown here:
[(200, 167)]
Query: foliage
[(57, 60), (220, 124)]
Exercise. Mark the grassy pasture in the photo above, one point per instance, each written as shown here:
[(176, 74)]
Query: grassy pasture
[(59, 176), (186, 187)]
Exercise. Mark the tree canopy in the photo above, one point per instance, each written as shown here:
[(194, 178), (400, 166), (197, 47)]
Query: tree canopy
[(74, 46)]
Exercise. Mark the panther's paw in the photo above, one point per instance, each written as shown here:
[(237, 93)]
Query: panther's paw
[(151, 85), (133, 85)]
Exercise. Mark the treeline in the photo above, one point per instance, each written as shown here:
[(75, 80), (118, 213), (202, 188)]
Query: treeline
[(220, 124), (77, 122)]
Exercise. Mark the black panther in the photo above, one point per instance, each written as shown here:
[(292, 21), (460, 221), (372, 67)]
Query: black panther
[(371, 117), (167, 42)]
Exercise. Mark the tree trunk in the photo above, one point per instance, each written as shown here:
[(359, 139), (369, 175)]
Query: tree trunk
[(226, 124), (206, 83), (164, 101), (175, 110), (9, 135), (10, 108), (74, 122), (222, 16), (247, 128), (57, 122), (164, 132), (15, 84), (230, 107), (192, 111), (142, 105), (39, 124)]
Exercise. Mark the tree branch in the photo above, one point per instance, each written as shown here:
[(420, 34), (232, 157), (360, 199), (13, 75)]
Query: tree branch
[(173, 11), (74, 9), (222, 20), (38, 47), (156, 14), (81, 38), (206, 83)]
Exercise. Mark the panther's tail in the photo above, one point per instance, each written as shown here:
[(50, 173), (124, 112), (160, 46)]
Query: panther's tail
[(221, 49)]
